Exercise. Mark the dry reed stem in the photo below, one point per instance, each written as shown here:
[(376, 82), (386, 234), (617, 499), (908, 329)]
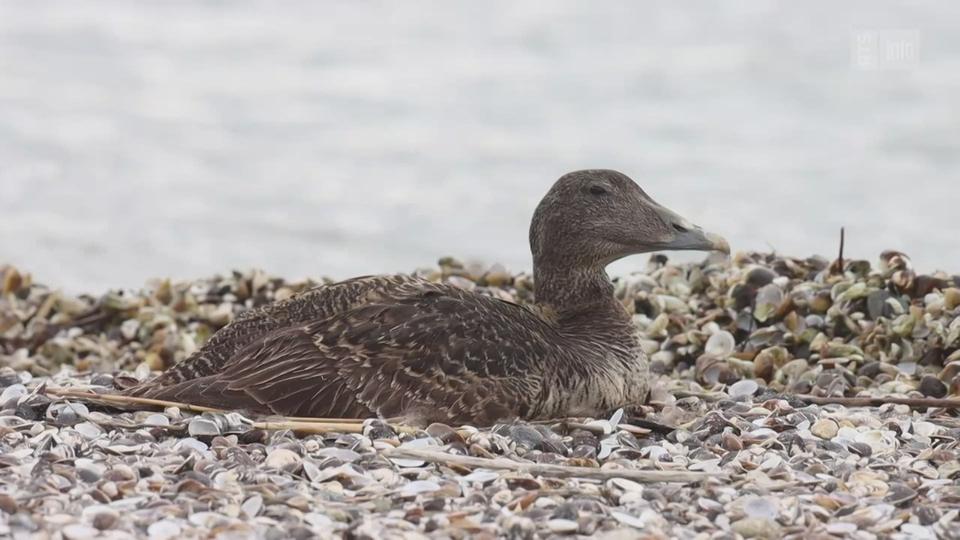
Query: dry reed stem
[(543, 469)]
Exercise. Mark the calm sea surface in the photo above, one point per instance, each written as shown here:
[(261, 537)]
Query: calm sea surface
[(142, 139)]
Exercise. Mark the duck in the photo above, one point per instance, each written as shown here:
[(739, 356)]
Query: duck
[(405, 348)]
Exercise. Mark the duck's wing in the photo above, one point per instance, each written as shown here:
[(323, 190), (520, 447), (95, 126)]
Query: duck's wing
[(436, 354), (315, 304)]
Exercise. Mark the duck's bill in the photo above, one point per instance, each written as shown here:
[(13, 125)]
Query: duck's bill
[(698, 240), (688, 236)]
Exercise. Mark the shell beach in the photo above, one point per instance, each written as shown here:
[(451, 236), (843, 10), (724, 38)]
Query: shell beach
[(793, 398)]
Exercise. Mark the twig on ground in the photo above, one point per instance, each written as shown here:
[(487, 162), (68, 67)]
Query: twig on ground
[(556, 471), (298, 424), (122, 402), (945, 403)]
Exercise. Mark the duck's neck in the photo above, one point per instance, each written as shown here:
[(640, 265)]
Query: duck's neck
[(576, 295)]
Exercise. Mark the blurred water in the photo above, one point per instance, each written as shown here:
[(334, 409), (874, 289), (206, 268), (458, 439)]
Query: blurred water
[(307, 138)]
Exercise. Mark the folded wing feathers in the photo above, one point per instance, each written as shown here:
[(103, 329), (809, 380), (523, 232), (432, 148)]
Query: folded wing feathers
[(375, 345)]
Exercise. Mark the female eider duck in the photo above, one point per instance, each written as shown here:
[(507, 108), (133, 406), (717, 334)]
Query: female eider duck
[(404, 347)]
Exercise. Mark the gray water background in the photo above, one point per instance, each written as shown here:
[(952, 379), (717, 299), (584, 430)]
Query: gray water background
[(184, 138)]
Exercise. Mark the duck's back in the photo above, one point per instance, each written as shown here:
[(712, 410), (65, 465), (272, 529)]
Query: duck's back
[(386, 345)]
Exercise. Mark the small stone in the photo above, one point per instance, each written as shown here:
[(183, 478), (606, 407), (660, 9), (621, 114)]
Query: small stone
[(759, 277), (284, 460), (931, 386), (105, 519), (825, 428)]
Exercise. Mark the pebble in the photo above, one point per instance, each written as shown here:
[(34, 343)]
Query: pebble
[(931, 386)]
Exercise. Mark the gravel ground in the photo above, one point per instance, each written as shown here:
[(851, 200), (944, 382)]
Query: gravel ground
[(738, 439)]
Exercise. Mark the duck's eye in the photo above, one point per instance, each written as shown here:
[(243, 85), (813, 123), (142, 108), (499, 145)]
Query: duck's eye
[(680, 228), (597, 190)]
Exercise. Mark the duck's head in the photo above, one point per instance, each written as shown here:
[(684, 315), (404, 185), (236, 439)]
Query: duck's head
[(594, 217)]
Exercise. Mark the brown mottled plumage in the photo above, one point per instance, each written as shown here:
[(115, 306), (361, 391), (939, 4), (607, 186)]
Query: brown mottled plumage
[(400, 346)]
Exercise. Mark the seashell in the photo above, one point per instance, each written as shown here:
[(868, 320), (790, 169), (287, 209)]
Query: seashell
[(720, 345), (951, 298), (860, 449), (444, 433), (252, 505), (192, 444), (900, 494), (840, 528), (66, 414), (880, 441), (917, 532), (768, 361), (926, 429), (425, 442), (418, 487), (768, 300), (283, 459), (744, 388), (628, 520), (525, 436), (562, 526), (751, 527), (481, 476), (201, 426), (825, 428), (760, 507), (78, 531), (158, 420), (864, 483)]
